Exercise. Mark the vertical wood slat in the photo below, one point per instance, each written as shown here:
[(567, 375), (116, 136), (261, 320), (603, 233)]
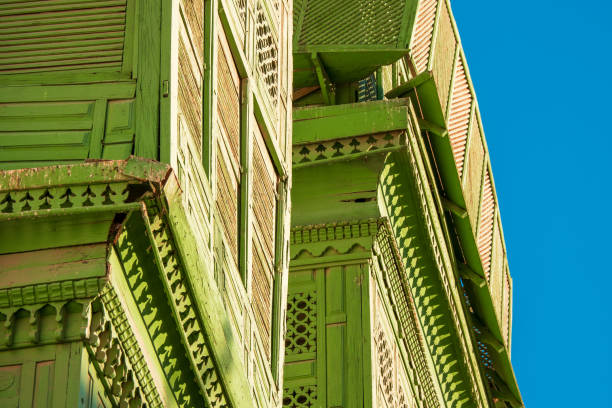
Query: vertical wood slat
[(420, 43), (485, 224), (459, 115), (45, 36)]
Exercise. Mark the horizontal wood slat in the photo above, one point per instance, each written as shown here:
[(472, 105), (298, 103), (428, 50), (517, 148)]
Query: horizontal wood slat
[(42, 36), (228, 101), (264, 184)]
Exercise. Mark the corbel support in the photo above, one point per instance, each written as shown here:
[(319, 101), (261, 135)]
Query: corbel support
[(407, 87), (487, 337), (502, 392), (433, 128), (328, 88), (467, 273), (454, 208)]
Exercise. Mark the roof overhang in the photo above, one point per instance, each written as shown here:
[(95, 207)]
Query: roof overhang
[(134, 208)]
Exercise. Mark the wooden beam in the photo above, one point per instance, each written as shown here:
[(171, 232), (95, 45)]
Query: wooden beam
[(407, 87), (302, 92), (328, 89), (467, 273), (432, 128), (454, 208)]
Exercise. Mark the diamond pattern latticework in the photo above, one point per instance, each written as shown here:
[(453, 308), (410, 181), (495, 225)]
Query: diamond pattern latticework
[(384, 358), (364, 22), (266, 49), (301, 323), (298, 397), (241, 7), (408, 321)]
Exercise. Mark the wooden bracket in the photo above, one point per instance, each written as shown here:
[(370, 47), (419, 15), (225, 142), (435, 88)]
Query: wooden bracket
[(454, 208), (328, 88), (433, 128), (467, 273), (487, 337), (407, 87)]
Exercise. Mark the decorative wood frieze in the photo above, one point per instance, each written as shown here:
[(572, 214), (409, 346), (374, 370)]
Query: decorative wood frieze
[(116, 355), (345, 148), (395, 283), (422, 250), (192, 330), (63, 197), (138, 192), (344, 238)]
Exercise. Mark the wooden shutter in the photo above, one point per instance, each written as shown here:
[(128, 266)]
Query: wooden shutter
[(56, 35), (265, 183), (228, 145)]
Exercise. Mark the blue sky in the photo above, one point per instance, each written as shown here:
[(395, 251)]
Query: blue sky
[(542, 72)]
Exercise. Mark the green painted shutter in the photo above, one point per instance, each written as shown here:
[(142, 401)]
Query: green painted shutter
[(55, 35)]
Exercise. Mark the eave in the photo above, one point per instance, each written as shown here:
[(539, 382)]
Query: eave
[(422, 90), (136, 206)]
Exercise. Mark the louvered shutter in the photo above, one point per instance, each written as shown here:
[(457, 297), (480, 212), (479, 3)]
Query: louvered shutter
[(228, 146), (56, 35), (265, 183)]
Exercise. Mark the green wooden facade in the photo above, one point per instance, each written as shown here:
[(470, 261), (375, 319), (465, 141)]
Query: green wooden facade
[(246, 203), (399, 290), (144, 193)]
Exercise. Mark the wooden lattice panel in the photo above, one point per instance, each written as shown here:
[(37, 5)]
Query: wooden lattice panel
[(301, 334), (266, 57), (300, 396)]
